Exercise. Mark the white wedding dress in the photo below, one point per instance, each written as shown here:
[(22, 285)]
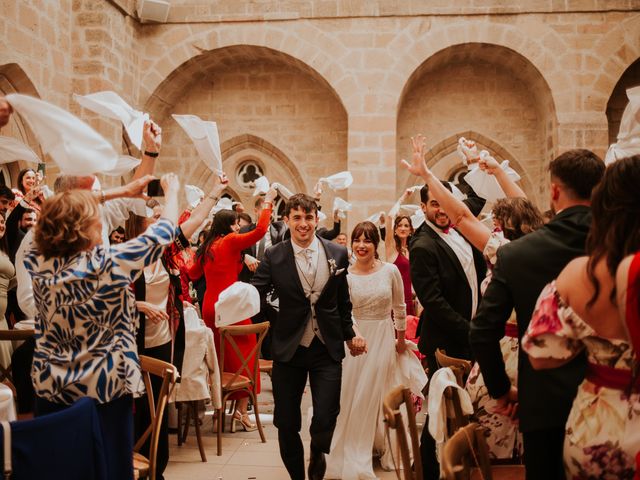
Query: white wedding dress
[(366, 379)]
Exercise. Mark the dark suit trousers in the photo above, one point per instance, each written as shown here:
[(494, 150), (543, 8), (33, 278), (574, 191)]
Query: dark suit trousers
[(289, 380), (543, 451)]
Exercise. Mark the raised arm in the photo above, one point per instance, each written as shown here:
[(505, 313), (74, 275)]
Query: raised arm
[(399, 309), (243, 241), (152, 137), (468, 225), (390, 251), (492, 167), (201, 212)]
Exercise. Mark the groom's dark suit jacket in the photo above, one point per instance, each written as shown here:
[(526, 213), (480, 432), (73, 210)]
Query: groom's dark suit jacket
[(523, 268), (333, 308)]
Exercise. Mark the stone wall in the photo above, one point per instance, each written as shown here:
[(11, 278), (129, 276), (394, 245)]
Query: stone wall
[(309, 87)]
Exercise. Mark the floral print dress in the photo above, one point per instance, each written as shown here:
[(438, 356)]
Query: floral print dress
[(602, 433)]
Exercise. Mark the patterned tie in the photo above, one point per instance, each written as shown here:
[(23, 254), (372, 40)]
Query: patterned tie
[(308, 256)]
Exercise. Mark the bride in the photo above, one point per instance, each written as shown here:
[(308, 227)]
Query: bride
[(376, 291)]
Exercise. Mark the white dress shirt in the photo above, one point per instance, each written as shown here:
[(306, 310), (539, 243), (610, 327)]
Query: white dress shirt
[(301, 257), (464, 252)]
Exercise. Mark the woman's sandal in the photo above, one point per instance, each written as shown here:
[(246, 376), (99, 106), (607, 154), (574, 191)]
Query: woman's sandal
[(244, 421)]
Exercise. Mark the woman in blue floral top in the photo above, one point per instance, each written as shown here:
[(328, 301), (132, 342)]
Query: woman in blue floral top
[(87, 318)]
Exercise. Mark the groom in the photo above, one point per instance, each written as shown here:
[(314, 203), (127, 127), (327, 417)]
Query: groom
[(309, 276)]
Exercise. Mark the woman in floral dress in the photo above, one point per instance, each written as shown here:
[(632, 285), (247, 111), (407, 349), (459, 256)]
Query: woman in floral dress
[(578, 312)]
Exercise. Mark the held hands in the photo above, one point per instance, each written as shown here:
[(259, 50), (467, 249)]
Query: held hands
[(220, 182), (417, 166), (401, 346), (152, 136), (357, 346)]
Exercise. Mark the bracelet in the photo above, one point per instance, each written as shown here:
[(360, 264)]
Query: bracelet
[(151, 154)]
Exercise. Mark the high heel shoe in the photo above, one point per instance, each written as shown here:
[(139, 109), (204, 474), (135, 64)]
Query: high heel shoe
[(244, 422)]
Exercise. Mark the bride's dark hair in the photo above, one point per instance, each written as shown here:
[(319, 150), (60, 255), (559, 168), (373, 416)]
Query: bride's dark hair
[(370, 232)]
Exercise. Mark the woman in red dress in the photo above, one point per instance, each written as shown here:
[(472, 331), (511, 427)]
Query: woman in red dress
[(220, 260)]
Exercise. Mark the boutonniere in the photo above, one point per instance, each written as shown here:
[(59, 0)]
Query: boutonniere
[(334, 271)]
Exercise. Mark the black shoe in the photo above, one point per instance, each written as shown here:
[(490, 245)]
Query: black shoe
[(317, 466)]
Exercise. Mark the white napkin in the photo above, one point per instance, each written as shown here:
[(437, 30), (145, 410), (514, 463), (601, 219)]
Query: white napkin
[(321, 216), (194, 195), (111, 105), (204, 136), (415, 188), (628, 143), (125, 164), (223, 204), (485, 185), (457, 192), (341, 206), (417, 219), (410, 208), (236, 303), (261, 186), (440, 380), (12, 150), (76, 147), (374, 218), (282, 190), (338, 181)]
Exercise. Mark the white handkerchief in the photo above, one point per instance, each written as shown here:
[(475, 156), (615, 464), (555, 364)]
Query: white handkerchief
[(194, 195), (283, 191), (223, 204), (628, 143), (341, 205), (486, 185), (76, 147), (125, 164), (111, 105), (148, 212), (261, 186), (409, 208), (338, 181), (236, 303), (12, 150), (375, 217), (467, 150), (457, 192), (204, 136), (417, 219), (321, 216), (415, 188)]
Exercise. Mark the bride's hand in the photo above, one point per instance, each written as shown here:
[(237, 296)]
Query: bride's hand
[(401, 346)]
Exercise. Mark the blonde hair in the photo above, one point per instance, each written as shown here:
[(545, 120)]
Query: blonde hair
[(64, 226)]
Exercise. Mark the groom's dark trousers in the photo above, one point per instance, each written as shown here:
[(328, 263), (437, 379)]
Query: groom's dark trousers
[(289, 380)]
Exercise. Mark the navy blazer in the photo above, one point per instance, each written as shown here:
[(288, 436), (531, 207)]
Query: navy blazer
[(278, 271)]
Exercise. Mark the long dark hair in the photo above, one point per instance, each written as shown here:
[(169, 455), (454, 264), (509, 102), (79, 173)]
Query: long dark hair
[(221, 226), (396, 222), (615, 228), (21, 176), (370, 232)]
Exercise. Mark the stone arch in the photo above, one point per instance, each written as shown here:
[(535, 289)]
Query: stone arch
[(618, 99), (279, 168), (446, 150), (302, 47), (620, 49), (537, 48), (13, 79), (488, 89)]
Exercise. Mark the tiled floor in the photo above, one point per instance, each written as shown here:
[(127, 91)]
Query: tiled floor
[(243, 455)]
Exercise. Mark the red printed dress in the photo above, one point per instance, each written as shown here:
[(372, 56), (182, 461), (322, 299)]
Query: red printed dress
[(222, 271)]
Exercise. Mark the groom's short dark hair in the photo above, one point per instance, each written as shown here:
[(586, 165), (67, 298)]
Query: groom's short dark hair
[(302, 202), (424, 191)]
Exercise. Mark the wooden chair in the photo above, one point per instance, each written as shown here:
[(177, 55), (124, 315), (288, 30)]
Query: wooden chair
[(465, 456), (393, 418), (245, 378), (12, 336), (191, 410), (463, 366), (146, 467)]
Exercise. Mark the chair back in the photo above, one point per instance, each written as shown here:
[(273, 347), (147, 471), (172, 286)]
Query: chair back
[(12, 336), (461, 367), (465, 455), (393, 419), (455, 417), (169, 375), (228, 335)]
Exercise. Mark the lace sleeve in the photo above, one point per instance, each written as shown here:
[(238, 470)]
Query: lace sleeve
[(397, 295), (490, 252), (555, 331)]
